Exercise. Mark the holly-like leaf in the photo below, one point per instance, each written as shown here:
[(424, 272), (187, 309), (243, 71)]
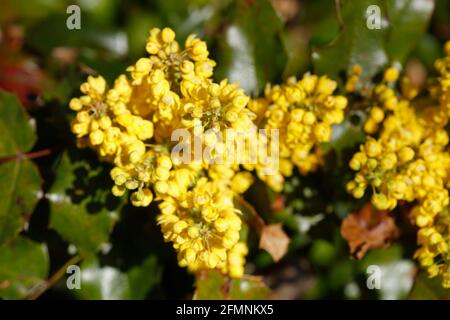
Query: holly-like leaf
[(109, 283), (20, 186), (356, 44), (373, 33), (212, 285), (17, 131), (82, 209), (408, 20), (251, 49), (24, 264)]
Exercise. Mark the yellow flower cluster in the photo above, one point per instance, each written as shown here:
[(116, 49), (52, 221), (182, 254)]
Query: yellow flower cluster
[(303, 111), (409, 161), (131, 125), (204, 226), (353, 78), (104, 123), (382, 98)]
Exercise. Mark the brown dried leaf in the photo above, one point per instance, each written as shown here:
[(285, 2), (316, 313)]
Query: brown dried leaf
[(368, 229), (274, 240)]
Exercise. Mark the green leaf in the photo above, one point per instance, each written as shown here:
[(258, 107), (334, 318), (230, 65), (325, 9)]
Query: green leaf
[(249, 288), (144, 277), (100, 48), (109, 283), (17, 131), (138, 25), (341, 274), (428, 289), (356, 44), (381, 257), (251, 50), (103, 12), (212, 285), (428, 50), (408, 20), (20, 186), (30, 11), (209, 286), (24, 264), (322, 252), (82, 209), (402, 24), (20, 190)]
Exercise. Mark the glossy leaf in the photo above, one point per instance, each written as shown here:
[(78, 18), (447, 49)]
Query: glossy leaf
[(251, 51), (109, 283), (408, 20), (20, 186), (24, 264), (374, 32), (16, 128), (356, 44), (249, 288), (212, 285), (82, 209)]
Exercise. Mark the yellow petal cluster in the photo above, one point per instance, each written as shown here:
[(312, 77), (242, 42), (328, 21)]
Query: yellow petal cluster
[(409, 161), (303, 111), (131, 125)]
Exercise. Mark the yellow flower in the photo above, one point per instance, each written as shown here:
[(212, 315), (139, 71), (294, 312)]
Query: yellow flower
[(391, 74), (409, 162)]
